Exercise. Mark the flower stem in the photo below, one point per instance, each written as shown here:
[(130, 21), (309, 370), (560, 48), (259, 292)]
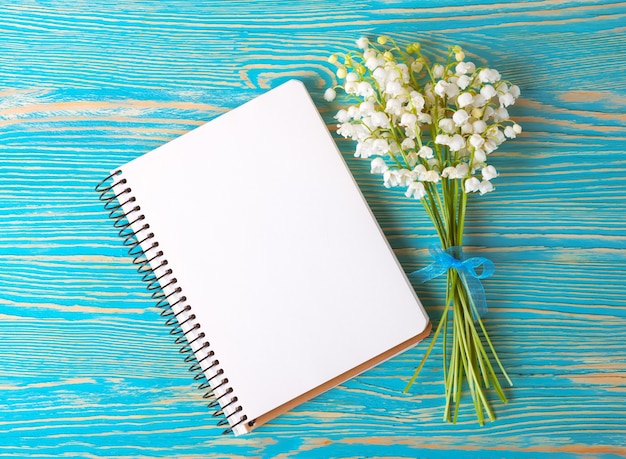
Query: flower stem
[(465, 359)]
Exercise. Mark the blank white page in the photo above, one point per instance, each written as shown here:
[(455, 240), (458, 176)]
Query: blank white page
[(275, 248)]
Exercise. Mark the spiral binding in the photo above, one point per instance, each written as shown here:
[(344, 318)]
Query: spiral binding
[(158, 279)]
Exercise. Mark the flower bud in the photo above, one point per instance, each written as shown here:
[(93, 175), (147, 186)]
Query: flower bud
[(330, 94), (417, 66), (477, 113), (362, 43)]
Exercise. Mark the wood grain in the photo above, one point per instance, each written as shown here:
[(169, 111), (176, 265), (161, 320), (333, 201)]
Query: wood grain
[(88, 370)]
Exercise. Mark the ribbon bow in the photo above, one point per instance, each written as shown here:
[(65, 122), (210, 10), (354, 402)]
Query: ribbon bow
[(452, 258)]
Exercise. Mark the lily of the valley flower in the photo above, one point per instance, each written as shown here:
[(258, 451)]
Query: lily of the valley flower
[(430, 129), (456, 114)]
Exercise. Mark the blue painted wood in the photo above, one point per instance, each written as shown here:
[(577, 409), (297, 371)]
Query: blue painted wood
[(88, 370)]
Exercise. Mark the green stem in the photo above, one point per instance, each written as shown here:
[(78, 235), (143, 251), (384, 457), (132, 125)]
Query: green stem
[(493, 352), (478, 396), (427, 353)]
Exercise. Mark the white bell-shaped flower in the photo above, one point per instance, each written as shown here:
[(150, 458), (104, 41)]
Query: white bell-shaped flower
[(456, 142), (415, 190), (378, 166), (425, 152), (460, 116), (447, 125), (489, 172), (471, 185), (485, 187), (465, 100)]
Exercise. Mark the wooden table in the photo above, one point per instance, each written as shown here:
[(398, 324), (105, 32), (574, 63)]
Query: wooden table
[(87, 368)]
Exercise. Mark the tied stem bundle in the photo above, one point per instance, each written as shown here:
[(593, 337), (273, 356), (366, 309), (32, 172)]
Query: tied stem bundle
[(429, 129)]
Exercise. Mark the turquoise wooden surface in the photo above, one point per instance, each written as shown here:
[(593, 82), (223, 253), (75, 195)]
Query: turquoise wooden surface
[(87, 368)]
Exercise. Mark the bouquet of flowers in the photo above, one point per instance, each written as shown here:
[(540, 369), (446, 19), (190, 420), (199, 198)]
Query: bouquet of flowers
[(430, 128)]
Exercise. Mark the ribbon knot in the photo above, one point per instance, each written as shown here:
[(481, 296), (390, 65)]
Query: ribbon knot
[(452, 258)]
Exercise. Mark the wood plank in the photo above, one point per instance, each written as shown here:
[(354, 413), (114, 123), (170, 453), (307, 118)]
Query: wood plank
[(89, 370)]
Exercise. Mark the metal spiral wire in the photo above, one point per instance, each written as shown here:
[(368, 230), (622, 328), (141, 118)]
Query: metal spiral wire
[(149, 261)]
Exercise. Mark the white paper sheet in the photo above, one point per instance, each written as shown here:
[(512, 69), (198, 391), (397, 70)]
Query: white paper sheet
[(275, 248)]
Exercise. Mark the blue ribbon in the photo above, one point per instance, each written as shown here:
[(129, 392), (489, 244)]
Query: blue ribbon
[(452, 258)]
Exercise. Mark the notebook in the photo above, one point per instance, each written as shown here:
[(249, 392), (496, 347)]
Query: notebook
[(264, 257)]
